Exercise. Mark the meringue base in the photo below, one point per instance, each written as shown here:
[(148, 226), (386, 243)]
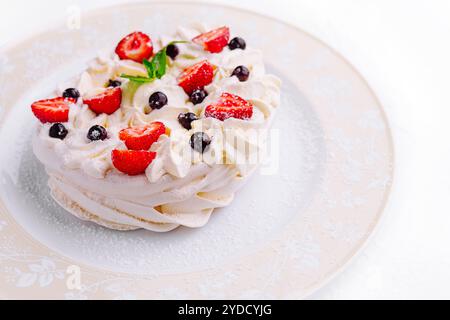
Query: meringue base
[(124, 203), (85, 215), (80, 212)]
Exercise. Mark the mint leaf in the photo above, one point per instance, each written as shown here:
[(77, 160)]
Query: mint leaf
[(159, 62), (156, 68), (149, 67), (137, 79)]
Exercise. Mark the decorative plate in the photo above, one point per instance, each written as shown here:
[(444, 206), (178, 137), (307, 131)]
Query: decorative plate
[(294, 225)]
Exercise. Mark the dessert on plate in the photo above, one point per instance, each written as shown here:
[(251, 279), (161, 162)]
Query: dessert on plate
[(160, 132)]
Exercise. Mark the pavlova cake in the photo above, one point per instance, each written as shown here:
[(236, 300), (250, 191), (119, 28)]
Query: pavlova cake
[(159, 133)]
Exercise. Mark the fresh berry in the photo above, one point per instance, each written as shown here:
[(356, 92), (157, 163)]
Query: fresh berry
[(107, 102), (71, 93), (114, 83), (196, 76), (237, 43), (142, 137), (136, 46), (230, 106), (97, 133), (215, 40), (197, 96), (52, 110), (200, 141), (185, 119), (172, 51), (58, 131), (157, 100), (241, 72), (132, 162)]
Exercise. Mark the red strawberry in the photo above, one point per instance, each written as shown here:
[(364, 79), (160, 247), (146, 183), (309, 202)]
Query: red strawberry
[(215, 40), (142, 137), (136, 46), (196, 76), (106, 102), (52, 110), (132, 162), (230, 106)]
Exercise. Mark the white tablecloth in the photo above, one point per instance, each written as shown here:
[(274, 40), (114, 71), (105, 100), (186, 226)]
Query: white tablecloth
[(402, 47)]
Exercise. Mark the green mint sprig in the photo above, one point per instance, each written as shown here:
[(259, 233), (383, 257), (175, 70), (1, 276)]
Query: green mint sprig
[(137, 79), (156, 68)]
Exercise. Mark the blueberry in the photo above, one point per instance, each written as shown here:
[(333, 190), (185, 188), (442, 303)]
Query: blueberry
[(185, 119), (97, 133), (197, 96), (114, 83), (241, 72), (157, 100), (237, 43), (57, 130), (71, 93), (172, 51), (200, 141)]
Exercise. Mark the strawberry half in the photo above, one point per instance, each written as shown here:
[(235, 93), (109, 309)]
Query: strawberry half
[(132, 162), (52, 110), (215, 40), (136, 46), (196, 76), (230, 106), (142, 137), (106, 102)]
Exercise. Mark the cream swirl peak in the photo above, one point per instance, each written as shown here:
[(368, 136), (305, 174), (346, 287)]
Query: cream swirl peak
[(159, 133)]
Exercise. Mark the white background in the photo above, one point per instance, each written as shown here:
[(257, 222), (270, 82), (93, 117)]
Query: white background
[(402, 47)]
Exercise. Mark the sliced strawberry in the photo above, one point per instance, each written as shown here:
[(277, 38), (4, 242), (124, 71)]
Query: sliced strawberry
[(215, 40), (136, 46), (52, 110), (230, 106), (106, 102), (196, 76), (142, 137), (132, 162)]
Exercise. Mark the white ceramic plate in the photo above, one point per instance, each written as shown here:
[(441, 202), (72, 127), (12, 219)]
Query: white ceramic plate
[(284, 235)]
